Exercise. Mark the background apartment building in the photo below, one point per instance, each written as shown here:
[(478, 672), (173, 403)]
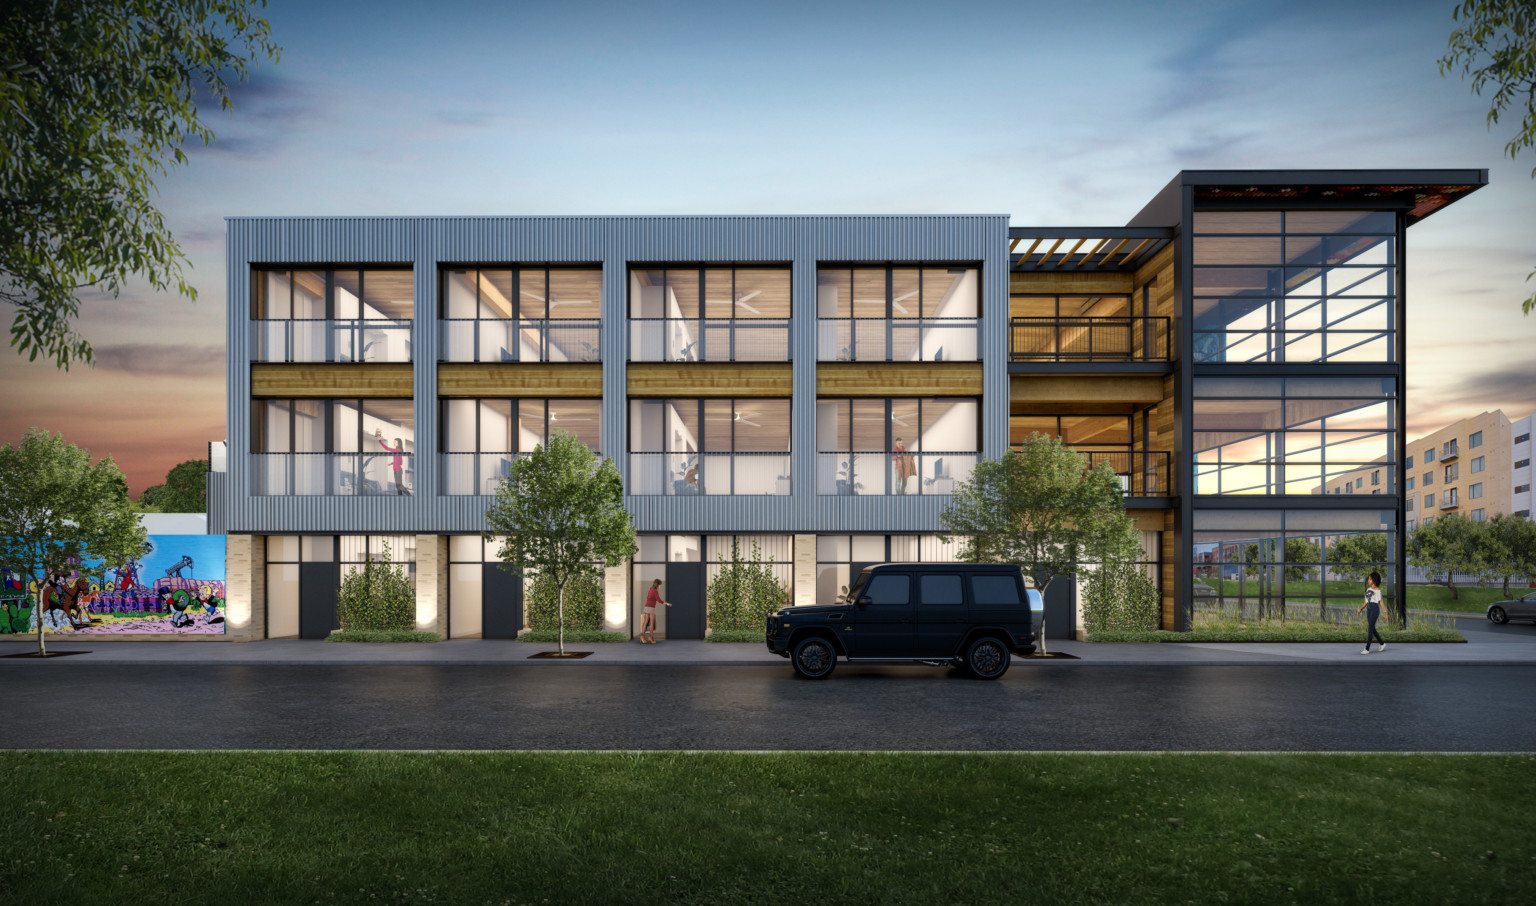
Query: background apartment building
[(1477, 467), (817, 385)]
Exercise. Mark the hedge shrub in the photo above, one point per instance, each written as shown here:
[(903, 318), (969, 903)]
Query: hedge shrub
[(744, 592), (583, 604), (377, 596)]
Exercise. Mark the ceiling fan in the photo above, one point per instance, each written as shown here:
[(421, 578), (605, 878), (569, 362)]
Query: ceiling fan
[(746, 419), (896, 302), (742, 301)]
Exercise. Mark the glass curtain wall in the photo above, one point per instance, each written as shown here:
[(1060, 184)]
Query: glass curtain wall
[(333, 447), (1279, 563), (521, 314), (331, 315), (895, 446), (1295, 286), (480, 437), (1291, 435), (898, 314), (709, 314), (688, 447)]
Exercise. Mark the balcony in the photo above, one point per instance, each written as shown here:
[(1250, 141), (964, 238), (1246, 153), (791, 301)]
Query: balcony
[(474, 474), (1449, 500), (882, 474), (694, 474), (1448, 451), (523, 340), (898, 339), (1088, 339), (708, 340), (1143, 473), (331, 341), (330, 474)]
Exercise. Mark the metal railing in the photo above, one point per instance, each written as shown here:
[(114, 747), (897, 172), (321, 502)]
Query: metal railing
[(689, 474), (526, 340), (1088, 339), (332, 474), (1143, 473), (1449, 451), (898, 339), (884, 473), (708, 340), (330, 341)]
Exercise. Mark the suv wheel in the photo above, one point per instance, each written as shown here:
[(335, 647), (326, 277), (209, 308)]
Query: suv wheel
[(814, 657), (987, 658)]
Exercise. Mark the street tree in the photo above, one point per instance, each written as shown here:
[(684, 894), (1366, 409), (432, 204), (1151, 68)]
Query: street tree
[(1449, 545), (1510, 549), (1042, 507), (96, 101), (1352, 557), (561, 510), (61, 513), (1496, 46)]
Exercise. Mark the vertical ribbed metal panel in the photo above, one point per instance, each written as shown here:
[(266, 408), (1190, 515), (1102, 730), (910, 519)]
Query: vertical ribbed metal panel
[(615, 243), (218, 502)]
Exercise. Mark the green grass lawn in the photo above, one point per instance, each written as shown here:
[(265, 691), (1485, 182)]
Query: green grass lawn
[(208, 827)]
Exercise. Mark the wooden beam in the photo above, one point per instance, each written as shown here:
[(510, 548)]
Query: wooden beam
[(1068, 256), (898, 379), (1013, 245), (315, 380), (710, 379), (1135, 251), (1070, 282), (1083, 394), (1111, 253), (519, 379)]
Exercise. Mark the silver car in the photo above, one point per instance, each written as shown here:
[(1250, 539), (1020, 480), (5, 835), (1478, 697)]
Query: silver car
[(1521, 608)]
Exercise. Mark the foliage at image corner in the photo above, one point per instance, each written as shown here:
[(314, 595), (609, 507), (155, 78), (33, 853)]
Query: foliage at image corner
[(61, 513), (744, 592), (79, 196), (377, 596)]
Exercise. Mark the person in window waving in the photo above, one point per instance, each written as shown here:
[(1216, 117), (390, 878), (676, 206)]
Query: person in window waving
[(396, 462)]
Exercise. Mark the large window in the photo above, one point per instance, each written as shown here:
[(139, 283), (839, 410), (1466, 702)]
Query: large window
[(480, 437), (333, 447), (898, 314), (1268, 435), (1295, 286), (895, 446), (331, 315), (526, 314), (709, 314), (839, 558), (1104, 438), (709, 446), (1275, 562)]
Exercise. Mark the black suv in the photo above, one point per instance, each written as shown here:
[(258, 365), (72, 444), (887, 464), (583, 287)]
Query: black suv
[(944, 614)]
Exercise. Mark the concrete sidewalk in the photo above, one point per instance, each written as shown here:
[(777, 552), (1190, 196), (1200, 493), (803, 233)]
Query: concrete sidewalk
[(1511, 645)]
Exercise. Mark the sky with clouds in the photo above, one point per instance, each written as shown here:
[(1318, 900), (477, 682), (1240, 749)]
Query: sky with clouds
[(1055, 114)]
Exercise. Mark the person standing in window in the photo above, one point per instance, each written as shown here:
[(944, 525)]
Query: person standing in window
[(1372, 607), (905, 467), (648, 612), (397, 462)]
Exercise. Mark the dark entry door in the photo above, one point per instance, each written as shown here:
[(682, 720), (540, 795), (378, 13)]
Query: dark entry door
[(684, 590), (1061, 608), (318, 583), (501, 603)]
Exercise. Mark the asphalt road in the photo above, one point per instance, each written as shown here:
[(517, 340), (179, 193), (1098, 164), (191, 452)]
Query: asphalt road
[(1035, 707)]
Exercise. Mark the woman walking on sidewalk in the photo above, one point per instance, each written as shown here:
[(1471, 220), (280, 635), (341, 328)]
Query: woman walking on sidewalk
[(648, 613), (1372, 607)]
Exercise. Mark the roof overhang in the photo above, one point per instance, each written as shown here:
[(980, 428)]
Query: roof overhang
[(1418, 192)]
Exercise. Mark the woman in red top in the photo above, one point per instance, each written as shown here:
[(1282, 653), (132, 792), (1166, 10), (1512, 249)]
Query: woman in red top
[(648, 612), (395, 461)]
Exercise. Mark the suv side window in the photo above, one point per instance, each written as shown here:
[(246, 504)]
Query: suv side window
[(940, 590), (889, 590), (995, 590)]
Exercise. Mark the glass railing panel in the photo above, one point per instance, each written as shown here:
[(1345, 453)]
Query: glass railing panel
[(703, 340), (330, 474), (528, 340), (898, 474), (341, 341), (898, 340), (693, 474)]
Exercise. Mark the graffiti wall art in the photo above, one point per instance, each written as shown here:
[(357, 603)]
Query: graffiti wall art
[(175, 588)]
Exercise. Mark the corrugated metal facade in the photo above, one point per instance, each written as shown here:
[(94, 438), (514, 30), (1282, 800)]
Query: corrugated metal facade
[(427, 243)]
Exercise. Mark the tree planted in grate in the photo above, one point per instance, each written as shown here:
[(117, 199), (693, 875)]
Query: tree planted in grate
[(744, 592), (583, 603), (378, 595)]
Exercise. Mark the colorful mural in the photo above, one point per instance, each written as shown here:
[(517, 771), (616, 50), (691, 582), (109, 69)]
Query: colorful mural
[(177, 587)]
